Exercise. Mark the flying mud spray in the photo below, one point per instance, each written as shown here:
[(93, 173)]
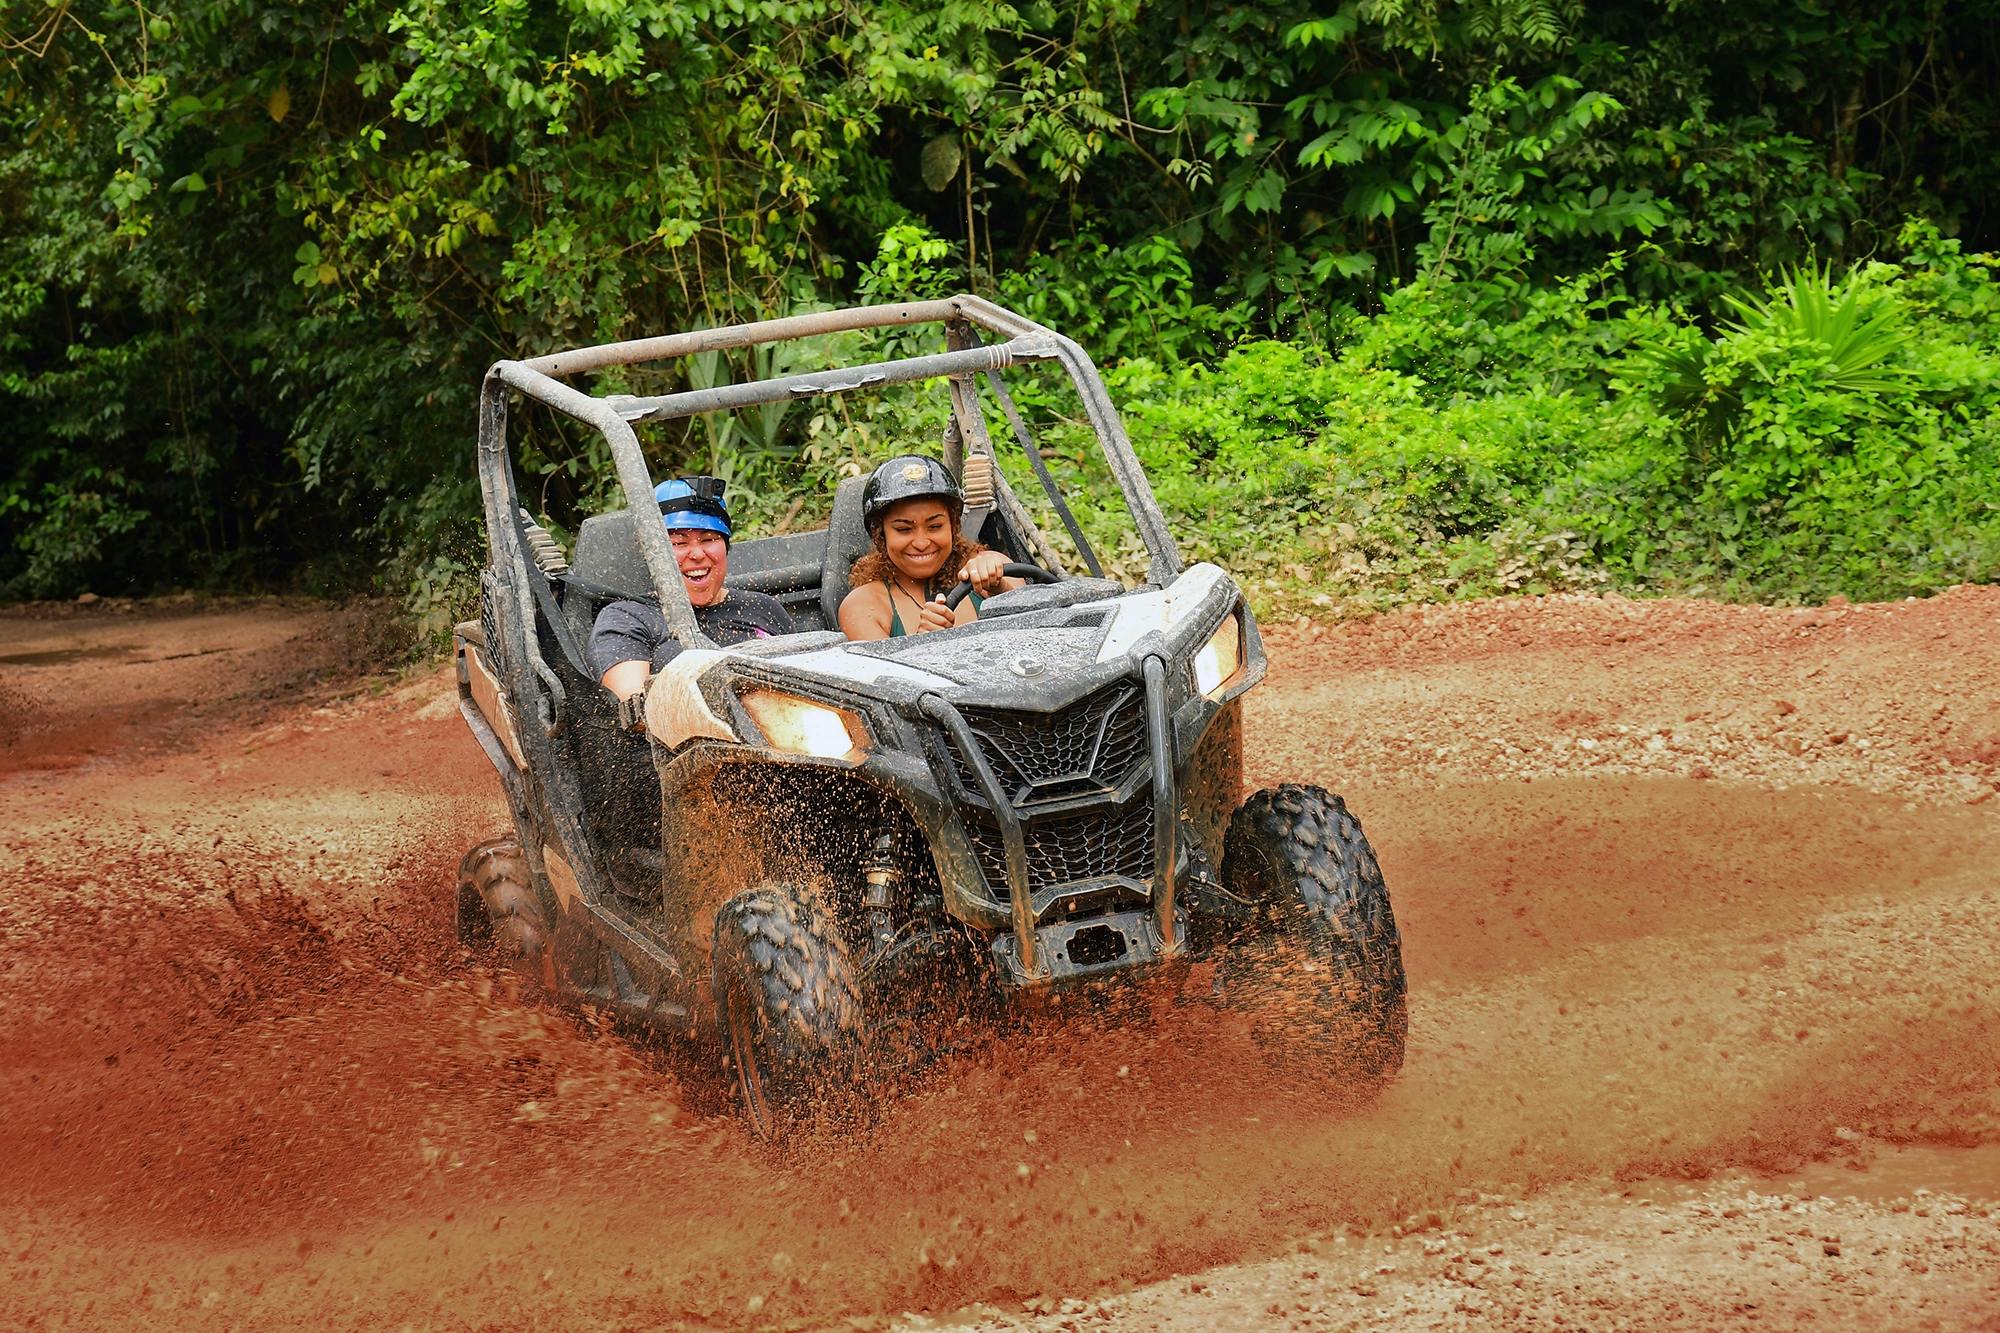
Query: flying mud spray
[(250, 1079)]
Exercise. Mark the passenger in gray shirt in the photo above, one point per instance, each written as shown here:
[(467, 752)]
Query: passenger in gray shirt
[(630, 639)]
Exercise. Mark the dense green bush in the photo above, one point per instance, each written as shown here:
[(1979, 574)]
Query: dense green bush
[(1837, 436)]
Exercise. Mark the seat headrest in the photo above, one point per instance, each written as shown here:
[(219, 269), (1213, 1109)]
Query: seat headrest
[(846, 541), (607, 557)]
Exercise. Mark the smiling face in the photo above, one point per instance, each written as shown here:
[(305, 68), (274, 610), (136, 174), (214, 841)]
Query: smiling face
[(704, 560), (918, 537)]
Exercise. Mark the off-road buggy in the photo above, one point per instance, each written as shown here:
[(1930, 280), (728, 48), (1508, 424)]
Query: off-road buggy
[(818, 845)]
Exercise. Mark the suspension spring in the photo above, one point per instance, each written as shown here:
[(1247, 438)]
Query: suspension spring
[(882, 877)]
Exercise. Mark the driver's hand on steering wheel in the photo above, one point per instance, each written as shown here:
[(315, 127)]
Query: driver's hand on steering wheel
[(983, 572), (936, 615)]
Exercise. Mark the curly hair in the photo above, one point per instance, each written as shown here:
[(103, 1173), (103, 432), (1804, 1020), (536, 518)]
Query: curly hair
[(875, 567)]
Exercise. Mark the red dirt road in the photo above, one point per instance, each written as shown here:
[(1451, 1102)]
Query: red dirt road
[(1689, 893)]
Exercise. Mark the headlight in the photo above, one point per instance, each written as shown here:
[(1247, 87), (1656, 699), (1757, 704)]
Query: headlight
[(1219, 658), (800, 726)]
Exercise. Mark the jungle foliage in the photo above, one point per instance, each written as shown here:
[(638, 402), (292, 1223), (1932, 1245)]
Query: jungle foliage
[(1461, 294)]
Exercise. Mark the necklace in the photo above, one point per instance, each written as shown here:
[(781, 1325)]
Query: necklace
[(896, 585)]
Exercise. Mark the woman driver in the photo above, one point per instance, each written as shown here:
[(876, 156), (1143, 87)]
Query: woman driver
[(911, 507)]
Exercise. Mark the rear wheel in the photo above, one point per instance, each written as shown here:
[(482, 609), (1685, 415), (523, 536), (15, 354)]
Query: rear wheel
[(497, 905), (788, 1008), (1324, 939)]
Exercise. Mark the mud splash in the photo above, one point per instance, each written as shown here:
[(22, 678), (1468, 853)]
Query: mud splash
[(249, 1079), (226, 1059)]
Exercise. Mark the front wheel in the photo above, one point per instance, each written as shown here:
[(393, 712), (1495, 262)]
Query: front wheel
[(1324, 931), (788, 1007)]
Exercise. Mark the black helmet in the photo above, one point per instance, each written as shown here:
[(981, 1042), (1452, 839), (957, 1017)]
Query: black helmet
[(910, 477)]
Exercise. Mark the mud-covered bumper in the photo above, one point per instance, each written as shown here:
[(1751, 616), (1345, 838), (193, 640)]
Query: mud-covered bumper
[(1063, 808)]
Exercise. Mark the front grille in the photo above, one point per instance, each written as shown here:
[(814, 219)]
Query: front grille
[(1090, 746), (1083, 844)]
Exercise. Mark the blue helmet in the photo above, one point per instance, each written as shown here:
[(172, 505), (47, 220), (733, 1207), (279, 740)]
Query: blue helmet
[(694, 502)]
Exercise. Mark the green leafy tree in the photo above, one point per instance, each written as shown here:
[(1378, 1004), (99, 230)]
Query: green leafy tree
[(256, 255)]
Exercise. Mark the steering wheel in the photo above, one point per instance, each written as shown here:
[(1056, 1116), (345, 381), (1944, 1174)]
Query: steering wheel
[(1032, 573)]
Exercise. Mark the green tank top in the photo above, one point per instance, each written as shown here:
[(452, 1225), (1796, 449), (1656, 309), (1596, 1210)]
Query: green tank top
[(896, 630)]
